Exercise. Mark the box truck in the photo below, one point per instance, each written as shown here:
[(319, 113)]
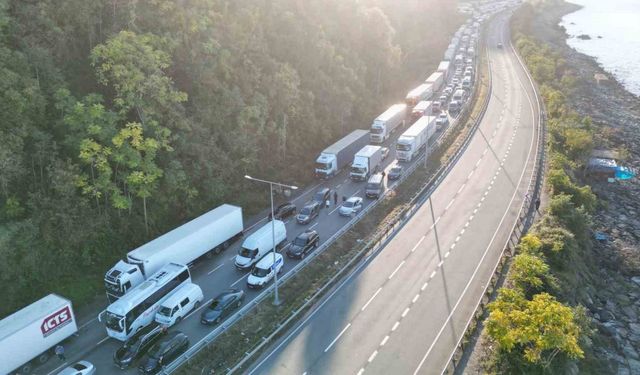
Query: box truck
[(445, 68), (207, 234), (449, 53), (415, 138), (340, 154), (436, 79), (422, 92), (366, 162), (421, 109), (387, 122), (260, 243), (28, 336)]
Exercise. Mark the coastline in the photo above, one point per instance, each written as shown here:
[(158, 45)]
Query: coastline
[(611, 290)]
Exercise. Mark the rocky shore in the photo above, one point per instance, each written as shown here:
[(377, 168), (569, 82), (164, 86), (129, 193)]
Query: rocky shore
[(611, 280)]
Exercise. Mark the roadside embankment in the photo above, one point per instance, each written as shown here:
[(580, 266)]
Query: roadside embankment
[(584, 292)]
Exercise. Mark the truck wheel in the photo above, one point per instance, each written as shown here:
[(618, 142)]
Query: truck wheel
[(26, 368), (43, 358), (226, 244)]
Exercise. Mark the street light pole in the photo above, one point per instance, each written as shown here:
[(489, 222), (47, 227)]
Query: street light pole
[(276, 298)]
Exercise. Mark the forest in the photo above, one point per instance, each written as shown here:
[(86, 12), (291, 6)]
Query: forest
[(122, 119)]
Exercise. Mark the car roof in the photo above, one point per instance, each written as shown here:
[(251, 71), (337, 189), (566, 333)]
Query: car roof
[(307, 233), (267, 261), (353, 199), (285, 204), (311, 205), (323, 190)]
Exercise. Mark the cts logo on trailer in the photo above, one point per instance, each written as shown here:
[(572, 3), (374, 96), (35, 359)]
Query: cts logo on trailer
[(56, 321)]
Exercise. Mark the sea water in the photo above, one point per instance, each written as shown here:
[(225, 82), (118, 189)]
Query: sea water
[(614, 29)]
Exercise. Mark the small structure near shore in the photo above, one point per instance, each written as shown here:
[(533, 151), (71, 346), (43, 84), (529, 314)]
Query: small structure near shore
[(600, 78), (603, 165)]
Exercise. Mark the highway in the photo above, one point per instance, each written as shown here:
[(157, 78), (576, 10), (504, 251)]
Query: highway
[(216, 274), (406, 309)]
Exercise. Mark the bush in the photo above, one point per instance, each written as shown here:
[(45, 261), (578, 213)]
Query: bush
[(530, 273), (560, 183), (574, 218)]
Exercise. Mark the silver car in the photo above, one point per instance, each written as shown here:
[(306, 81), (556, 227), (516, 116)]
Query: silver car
[(79, 368), (351, 206)]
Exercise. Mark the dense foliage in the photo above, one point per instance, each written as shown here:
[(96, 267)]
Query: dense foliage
[(122, 119)]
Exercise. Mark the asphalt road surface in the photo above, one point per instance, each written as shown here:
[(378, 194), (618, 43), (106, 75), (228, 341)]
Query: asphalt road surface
[(219, 273), (404, 312)]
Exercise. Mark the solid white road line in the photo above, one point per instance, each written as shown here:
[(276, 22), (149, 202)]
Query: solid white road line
[(337, 337)]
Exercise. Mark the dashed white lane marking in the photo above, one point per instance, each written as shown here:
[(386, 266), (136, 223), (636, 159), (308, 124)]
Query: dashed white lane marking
[(479, 160), (424, 286), (240, 279), (432, 274), (360, 372), (440, 264), (450, 203), (311, 227), (384, 340), (461, 187), (457, 239), (415, 298), (215, 269), (418, 244), (371, 299), (373, 356), (436, 222), (452, 246), (337, 337), (447, 254), (395, 326), (405, 312), (470, 174), (396, 270)]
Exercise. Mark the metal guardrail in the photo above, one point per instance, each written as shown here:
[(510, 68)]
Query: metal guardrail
[(373, 245), (519, 229)]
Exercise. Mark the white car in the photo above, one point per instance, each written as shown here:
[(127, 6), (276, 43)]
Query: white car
[(265, 270), (442, 120), (79, 368), (351, 206)]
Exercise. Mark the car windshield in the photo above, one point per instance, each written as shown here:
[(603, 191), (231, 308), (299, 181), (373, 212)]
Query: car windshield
[(114, 322), (300, 241), (215, 305), (323, 166), (259, 272), (248, 253), (164, 310), (396, 170), (305, 211), (348, 204), (319, 197), (403, 147), (372, 186)]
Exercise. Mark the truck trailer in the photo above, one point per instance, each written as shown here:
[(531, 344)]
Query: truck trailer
[(340, 154), (28, 335), (415, 138), (436, 79), (207, 234), (421, 109), (445, 68), (422, 92), (366, 162), (387, 122)]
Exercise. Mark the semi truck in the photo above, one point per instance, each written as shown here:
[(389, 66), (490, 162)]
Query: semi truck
[(421, 109), (387, 122), (445, 68), (28, 336), (422, 92), (436, 79), (450, 52), (415, 138), (366, 162), (207, 234), (340, 154)]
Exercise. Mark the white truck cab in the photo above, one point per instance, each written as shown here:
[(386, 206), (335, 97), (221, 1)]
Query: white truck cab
[(265, 270)]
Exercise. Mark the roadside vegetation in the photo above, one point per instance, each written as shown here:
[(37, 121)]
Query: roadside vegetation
[(124, 119), (536, 321)]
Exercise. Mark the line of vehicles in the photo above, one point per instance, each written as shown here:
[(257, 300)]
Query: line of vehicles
[(151, 289)]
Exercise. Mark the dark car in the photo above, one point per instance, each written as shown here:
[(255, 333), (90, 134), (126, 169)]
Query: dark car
[(395, 172), (165, 352), (284, 211), (221, 306), (322, 196), (137, 346), (499, 45), (303, 244), (308, 213)]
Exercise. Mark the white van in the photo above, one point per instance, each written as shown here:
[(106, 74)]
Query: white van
[(265, 270), (466, 82), (180, 303), (460, 95), (258, 244)]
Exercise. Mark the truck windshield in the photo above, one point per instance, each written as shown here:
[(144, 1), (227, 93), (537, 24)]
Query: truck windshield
[(376, 130), (248, 253), (113, 288), (114, 322), (323, 166), (259, 272), (357, 170), (403, 147)]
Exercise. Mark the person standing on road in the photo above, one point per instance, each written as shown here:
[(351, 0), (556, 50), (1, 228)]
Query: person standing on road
[(344, 198), (60, 353), (335, 198), (538, 205)]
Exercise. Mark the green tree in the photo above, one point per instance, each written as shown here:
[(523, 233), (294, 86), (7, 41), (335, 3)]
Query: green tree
[(531, 274)]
